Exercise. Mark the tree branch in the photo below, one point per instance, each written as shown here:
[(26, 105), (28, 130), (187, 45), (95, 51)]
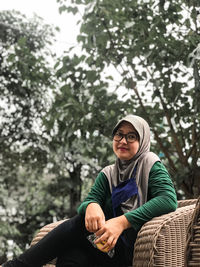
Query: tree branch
[(182, 158), (158, 139), (194, 142)]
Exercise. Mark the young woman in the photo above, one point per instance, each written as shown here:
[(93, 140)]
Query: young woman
[(124, 196)]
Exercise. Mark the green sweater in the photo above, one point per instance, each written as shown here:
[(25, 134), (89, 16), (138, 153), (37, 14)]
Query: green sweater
[(161, 197)]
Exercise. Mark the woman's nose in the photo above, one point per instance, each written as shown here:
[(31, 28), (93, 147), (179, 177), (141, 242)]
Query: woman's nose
[(124, 140)]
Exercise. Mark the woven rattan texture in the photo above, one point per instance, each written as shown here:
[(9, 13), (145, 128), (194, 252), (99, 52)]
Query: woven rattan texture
[(193, 239), (161, 241), (186, 202)]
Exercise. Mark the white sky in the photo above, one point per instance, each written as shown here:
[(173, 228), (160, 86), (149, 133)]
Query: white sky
[(48, 10)]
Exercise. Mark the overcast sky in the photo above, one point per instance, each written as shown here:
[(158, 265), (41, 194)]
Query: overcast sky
[(48, 10)]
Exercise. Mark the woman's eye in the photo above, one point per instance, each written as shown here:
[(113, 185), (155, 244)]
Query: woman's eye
[(132, 136)]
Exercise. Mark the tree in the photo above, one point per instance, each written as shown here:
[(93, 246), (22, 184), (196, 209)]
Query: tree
[(50, 148), (80, 124), (155, 47), (25, 96)]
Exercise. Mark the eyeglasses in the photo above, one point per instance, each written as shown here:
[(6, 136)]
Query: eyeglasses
[(130, 137)]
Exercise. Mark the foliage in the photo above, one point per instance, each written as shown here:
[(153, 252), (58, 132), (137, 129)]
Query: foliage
[(151, 44), (26, 83), (80, 123), (53, 141)]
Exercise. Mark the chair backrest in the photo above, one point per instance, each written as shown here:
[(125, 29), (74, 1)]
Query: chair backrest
[(161, 241), (192, 250), (186, 202)]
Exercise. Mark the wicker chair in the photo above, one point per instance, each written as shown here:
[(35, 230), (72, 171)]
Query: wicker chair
[(192, 253), (160, 242)]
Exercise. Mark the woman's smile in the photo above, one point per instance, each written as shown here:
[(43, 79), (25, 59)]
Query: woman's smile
[(122, 148)]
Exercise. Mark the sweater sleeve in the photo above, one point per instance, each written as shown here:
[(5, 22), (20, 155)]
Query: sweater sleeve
[(97, 194), (161, 197)]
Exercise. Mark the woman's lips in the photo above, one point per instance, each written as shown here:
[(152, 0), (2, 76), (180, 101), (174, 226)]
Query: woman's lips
[(122, 149)]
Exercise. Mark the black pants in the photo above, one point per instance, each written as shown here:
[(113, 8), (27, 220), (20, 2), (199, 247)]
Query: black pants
[(68, 243)]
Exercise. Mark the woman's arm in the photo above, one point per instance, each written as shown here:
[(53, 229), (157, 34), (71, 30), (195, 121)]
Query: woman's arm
[(161, 197), (93, 205), (97, 194)]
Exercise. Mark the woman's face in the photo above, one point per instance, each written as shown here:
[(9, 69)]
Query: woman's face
[(125, 150)]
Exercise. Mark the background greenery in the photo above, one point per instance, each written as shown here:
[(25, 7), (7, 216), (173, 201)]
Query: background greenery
[(57, 114)]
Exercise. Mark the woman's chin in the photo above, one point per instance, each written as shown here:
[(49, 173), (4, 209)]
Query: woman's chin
[(123, 157)]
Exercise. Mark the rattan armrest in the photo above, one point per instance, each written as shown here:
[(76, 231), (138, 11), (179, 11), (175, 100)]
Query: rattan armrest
[(161, 241), (42, 232)]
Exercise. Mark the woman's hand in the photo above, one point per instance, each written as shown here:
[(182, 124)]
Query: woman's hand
[(111, 231), (94, 217)]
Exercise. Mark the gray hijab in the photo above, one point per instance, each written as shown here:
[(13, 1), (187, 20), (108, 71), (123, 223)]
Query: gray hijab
[(144, 159)]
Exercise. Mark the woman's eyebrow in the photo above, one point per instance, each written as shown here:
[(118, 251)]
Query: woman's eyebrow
[(132, 133), (128, 132)]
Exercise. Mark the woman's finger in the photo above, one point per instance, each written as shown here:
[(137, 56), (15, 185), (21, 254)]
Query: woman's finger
[(94, 226), (111, 242)]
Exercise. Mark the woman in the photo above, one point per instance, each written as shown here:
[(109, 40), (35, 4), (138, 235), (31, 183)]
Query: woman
[(124, 196)]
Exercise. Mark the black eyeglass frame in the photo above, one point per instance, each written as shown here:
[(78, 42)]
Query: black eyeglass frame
[(125, 136)]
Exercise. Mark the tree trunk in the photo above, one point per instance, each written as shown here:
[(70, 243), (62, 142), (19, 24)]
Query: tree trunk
[(75, 191)]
